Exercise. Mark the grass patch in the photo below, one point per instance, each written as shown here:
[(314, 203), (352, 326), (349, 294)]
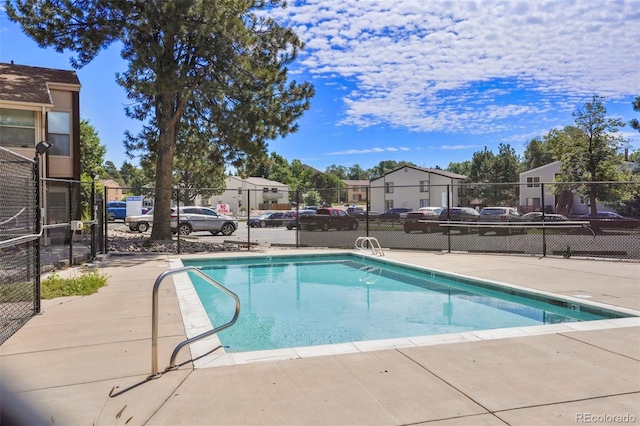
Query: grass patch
[(82, 284)]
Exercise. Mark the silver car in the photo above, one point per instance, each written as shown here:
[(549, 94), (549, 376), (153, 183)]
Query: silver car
[(193, 219), (140, 223)]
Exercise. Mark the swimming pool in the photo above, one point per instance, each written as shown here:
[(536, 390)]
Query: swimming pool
[(309, 300)]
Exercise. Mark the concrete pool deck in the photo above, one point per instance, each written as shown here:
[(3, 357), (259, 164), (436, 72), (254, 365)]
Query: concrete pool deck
[(68, 360)]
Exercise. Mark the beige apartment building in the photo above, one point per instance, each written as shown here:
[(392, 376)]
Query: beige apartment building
[(43, 104)]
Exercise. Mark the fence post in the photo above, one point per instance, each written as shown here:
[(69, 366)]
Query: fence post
[(448, 218), (298, 218), (177, 218), (248, 218), (544, 230), (70, 218), (36, 173), (366, 216), (93, 217), (105, 216)]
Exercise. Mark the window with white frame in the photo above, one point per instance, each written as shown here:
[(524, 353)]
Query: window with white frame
[(533, 182), (388, 204), (388, 188), (424, 186), (59, 126), (17, 128), (584, 200), (424, 203)]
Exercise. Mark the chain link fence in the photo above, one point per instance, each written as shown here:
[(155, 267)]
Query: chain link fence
[(19, 268), (535, 218), (71, 227)]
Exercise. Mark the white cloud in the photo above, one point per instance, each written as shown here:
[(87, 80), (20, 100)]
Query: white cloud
[(460, 147), (468, 66), (367, 151)]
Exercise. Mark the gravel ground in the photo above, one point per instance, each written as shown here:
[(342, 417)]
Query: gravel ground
[(128, 242)]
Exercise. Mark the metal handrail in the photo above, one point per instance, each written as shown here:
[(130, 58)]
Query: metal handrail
[(154, 319), (19, 240), (373, 242)]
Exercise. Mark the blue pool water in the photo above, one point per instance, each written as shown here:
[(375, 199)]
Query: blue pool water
[(297, 301)]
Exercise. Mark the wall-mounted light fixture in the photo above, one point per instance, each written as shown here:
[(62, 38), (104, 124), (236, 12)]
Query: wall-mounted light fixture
[(42, 147)]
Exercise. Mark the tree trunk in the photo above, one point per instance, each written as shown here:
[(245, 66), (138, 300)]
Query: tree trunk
[(164, 169)]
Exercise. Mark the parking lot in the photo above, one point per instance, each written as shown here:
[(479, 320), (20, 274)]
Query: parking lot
[(552, 242)]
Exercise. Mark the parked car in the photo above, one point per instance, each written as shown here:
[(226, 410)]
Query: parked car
[(421, 220), (290, 220), (141, 223), (328, 218), (500, 214), (194, 218), (358, 212), (436, 210), (604, 222), (459, 214), (548, 217), (395, 213), (267, 219), (605, 215)]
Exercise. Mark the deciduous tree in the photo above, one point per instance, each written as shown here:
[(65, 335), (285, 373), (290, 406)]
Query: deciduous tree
[(590, 151), (537, 154), (92, 152)]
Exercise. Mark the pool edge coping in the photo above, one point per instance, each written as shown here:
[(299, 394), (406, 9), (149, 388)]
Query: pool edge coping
[(209, 352)]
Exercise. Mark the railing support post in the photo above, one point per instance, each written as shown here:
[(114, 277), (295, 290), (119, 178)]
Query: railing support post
[(154, 318)]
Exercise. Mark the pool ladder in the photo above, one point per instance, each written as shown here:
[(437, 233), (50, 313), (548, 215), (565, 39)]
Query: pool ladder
[(154, 320), (369, 243)]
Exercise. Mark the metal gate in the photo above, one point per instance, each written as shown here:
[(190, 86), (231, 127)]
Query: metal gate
[(20, 230)]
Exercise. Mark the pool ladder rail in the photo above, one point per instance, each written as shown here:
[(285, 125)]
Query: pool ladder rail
[(154, 321), (369, 243)]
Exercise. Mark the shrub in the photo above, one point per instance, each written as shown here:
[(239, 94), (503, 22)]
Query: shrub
[(83, 284)]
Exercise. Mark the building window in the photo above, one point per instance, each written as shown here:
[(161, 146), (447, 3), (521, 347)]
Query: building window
[(584, 200), (533, 182), (265, 189), (388, 188), (424, 203), (17, 128), (388, 204), (239, 191), (274, 189), (59, 124), (424, 187)]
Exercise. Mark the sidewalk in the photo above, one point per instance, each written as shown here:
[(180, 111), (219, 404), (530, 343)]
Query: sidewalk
[(66, 361)]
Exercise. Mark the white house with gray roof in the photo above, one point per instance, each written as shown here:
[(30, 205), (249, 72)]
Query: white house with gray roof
[(414, 187), (255, 193)]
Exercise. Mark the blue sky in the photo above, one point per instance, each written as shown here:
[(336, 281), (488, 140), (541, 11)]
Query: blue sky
[(429, 82)]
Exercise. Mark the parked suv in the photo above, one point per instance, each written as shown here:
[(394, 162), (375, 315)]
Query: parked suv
[(267, 219), (358, 212), (290, 218), (395, 213), (422, 220), (141, 223), (500, 214), (193, 219), (459, 214)]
